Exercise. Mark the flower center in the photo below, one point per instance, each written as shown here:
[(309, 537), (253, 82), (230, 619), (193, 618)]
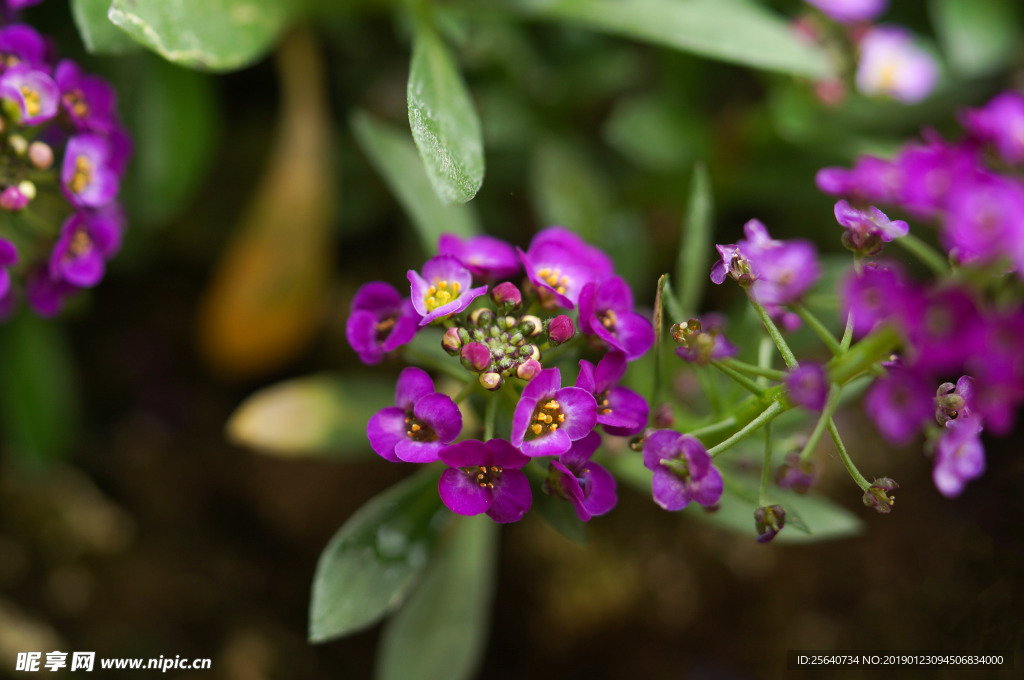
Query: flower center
[(608, 319), (418, 431), (384, 327), (80, 244), (441, 293), (484, 476), (678, 466), (547, 418), (602, 404), (31, 98), (75, 100), (554, 278), (83, 174)]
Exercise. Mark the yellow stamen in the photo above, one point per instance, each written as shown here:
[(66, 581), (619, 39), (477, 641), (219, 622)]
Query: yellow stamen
[(82, 175)]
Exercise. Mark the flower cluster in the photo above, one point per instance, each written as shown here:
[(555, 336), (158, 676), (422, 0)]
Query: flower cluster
[(64, 152)]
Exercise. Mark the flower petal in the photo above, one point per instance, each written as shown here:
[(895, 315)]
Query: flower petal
[(384, 430), (512, 497), (461, 493)]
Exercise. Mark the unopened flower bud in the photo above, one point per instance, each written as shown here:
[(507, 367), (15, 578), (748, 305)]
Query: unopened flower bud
[(528, 370), (507, 296), (12, 199), (948, 403), (18, 144), (530, 352), (769, 520), (491, 381), (560, 330), (531, 326), (28, 188), (475, 357), (482, 316), (877, 496), (663, 417), (452, 340), (40, 155), (797, 475)]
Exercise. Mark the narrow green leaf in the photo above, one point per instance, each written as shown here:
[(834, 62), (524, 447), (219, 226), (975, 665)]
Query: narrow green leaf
[(695, 252), (375, 559), (98, 34), (317, 415), (38, 406), (736, 31), (395, 158), (215, 35), (444, 122), (441, 633), (978, 36)]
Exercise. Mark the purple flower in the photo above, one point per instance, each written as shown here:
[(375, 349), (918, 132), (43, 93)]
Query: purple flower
[(798, 475), (955, 401), (88, 100), (873, 180), (44, 294), (549, 417), (702, 341), (621, 411), (929, 172), (21, 44), (13, 199), (606, 310), (87, 241), (682, 470), (944, 329), (866, 230), (560, 264), (487, 257), (850, 11), (737, 260), (900, 404), (485, 477), (380, 321), (86, 176), (892, 65), (768, 521), (959, 456), (419, 426), (998, 367), (985, 219), (588, 486), (8, 258), (32, 91), (785, 272), (443, 289), (808, 386), (879, 293), (1000, 122)]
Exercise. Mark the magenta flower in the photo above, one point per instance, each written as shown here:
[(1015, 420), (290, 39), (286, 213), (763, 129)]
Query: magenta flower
[(443, 289), (959, 456), (850, 11), (808, 386), (21, 44), (892, 65), (880, 293), (945, 328), (900, 404), (872, 179), (87, 241), (380, 321), (606, 310), (44, 294), (621, 411), (797, 475), (867, 230), (8, 258), (998, 366), (86, 175), (485, 477), (89, 101), (738, 260), (420, 424), (549, 417), (701, 340), (785, 272), (489, 258), (682, 470), (32, 91), (929, 172), (560, 264), (588, 486), (985, 219), (1001, 123)]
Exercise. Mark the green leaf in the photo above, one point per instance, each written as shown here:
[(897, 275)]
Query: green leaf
[(736, 31), (566, 190), (98, 34), (375, 559), (444, 123), (177, 121), (38, 406), (695, 252), (440, 634), (215, 35), (395, 158), (316, 415), (978, 36)]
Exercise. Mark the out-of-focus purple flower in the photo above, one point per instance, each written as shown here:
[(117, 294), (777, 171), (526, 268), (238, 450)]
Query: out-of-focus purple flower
[(701, 341), (867, 230), (998, 368), (785, 272), (1001, 123), (560, 330), (549, 417), (87, 241), (380, 321), (768, 521), (900, 404), (44, 294), (588, 486), (682, 470), (21, 44), (984, 220), (88, 100), (872, 179), (420, 424), (808, 386), (506, 295), (849, 11), (945, 328), (928, 172), (606, 310), (877, 496), (892, 65), (621, 411), (959, 456), (13, 199), (560, 264), (86, 176), (21, 4), (8, 258), (32, 91), (879, 293), (797, 475), (738, 260), (445, 288), (489, 258), (485, 477)]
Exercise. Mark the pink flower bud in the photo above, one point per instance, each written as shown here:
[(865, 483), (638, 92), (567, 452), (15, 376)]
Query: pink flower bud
[(560, 330)]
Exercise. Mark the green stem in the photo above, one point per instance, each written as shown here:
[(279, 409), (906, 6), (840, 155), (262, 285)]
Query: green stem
[(823, 420), (766, 468), (738, 377), (861, 357), (774, 409), (489, 414), (863, 483), (848, 333), (750, 369), (773, 330), (818, 327), (712, 428), (925, 253)]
